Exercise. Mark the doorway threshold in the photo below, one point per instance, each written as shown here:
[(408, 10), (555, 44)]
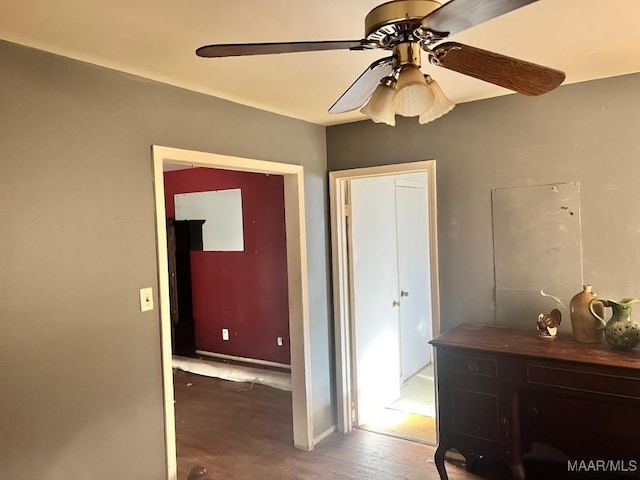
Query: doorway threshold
[(417, 395), (412, 416), (399, 424), (234, 373)]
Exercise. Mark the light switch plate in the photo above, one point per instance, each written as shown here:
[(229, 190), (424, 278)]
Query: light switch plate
[(146, 299), (225, 334)]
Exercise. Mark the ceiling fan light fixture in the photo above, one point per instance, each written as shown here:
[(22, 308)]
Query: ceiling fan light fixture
[(407, 28), (413, 96), (441, 103), (379, 108)]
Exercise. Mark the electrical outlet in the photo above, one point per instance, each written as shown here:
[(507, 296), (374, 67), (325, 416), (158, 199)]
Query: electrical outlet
[(280, 342), (225, 334), (146, 299)]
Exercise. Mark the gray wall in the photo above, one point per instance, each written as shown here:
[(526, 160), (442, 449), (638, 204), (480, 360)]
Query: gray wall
[(79, 364), (587, 133)]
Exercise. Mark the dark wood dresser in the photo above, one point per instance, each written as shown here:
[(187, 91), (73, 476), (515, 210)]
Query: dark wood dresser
[(183, 237), (499, 389)]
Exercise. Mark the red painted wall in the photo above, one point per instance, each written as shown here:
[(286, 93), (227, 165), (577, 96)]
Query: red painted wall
[(245, 292)]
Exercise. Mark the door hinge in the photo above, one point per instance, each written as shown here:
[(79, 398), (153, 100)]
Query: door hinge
[(347, 199), (353, 413)]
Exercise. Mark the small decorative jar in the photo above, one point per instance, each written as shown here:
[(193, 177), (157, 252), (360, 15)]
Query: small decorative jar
[(585, 327)]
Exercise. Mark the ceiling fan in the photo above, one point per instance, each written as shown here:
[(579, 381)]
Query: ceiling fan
[(394, 84)]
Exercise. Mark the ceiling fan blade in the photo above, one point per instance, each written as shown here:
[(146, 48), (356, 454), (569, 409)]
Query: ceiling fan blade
[(242, 49), (458, 15), (517, 75), (360, 90)]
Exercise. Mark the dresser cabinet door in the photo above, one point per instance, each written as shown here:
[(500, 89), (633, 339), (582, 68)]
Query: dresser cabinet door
[(477, 412), (473, 406), (567, 422)]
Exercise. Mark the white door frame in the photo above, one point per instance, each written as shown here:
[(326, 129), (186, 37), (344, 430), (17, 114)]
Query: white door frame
[(341, 302), (297, 285)]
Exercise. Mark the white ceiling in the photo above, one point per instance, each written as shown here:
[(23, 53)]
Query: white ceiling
[(587, 39)]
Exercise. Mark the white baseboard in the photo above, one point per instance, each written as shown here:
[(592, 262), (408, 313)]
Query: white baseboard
[(244, 359), (324, 435)]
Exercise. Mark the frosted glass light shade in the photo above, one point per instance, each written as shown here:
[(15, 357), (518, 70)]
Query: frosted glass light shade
[(441, 104), (413, 96), (379, 108)]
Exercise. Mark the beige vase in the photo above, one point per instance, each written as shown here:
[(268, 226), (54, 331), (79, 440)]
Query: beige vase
[(586, 328)]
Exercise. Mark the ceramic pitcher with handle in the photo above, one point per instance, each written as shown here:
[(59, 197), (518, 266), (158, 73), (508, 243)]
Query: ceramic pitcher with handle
[(620, 331)]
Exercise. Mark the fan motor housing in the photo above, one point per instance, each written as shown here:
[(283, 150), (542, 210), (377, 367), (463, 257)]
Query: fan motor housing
[(391, 21)]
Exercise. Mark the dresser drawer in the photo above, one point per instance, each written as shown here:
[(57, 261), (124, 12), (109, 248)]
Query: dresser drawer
[(583, 381), (486, 367)]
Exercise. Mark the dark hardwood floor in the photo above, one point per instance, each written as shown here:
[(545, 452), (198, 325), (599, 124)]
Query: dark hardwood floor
[(239, 431)]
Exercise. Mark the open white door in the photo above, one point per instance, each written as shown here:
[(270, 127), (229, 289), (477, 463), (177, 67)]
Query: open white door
[(374, 282), (368, 373), (414, 281)]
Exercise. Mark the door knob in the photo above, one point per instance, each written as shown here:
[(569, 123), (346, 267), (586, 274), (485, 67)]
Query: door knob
[(395, 303), (404, 293)]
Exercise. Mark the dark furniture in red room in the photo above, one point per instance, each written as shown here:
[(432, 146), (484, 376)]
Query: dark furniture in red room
[(499, 389), (183, 237)]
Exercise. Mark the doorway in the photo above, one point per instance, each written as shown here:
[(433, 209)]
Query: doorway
[(297, 285), (386, 296)]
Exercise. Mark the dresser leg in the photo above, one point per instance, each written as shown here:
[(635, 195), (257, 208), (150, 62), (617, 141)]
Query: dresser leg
[(517, 471), (438, 458), (517, 468)]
